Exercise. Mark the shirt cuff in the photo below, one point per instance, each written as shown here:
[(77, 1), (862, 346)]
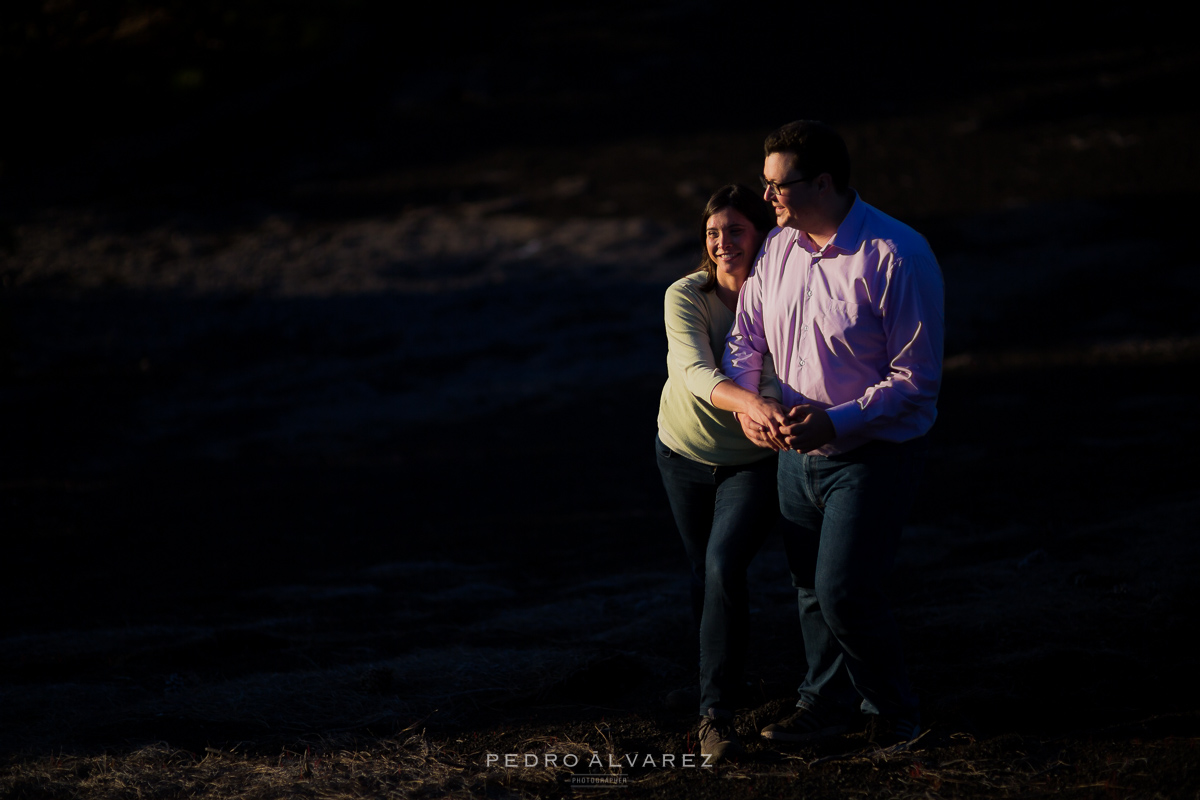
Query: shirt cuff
[(847, 419)]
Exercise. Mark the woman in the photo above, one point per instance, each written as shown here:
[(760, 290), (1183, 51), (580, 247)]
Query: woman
[(721, 486)]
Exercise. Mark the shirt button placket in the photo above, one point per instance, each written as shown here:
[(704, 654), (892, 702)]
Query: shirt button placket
[(812, 263)]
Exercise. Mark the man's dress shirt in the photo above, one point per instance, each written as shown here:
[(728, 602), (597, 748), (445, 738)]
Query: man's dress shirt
[(855, 327)]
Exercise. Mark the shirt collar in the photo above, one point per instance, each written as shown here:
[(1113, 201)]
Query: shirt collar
[(848, 232), (850, 229)]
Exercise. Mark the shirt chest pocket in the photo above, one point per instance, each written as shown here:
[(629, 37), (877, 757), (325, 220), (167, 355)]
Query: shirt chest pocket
[(853, 325)]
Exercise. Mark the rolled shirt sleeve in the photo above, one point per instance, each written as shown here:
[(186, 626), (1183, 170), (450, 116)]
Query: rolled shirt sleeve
[(746, 344)]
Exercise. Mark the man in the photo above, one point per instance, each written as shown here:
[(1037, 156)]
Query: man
[(849, 302)]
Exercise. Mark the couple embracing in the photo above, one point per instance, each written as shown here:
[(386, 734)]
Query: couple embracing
[(804, 360)]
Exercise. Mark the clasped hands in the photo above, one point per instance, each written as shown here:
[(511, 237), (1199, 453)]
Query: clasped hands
[(802, 428)]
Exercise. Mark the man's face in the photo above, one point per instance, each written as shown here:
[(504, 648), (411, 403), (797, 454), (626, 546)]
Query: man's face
[(792, 203)]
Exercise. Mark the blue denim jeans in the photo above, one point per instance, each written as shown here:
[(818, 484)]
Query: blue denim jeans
[(845, 514), (723, 514)]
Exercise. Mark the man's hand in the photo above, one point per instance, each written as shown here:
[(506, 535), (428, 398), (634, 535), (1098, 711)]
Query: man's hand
[(810, 428)]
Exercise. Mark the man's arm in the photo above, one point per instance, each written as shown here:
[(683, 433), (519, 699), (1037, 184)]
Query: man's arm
[(746, 344), (914, 326), (753, 392), (768, 380)]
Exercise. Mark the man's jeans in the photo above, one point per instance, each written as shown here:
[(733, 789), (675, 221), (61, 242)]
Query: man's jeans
[(723, 514), (846, 513)]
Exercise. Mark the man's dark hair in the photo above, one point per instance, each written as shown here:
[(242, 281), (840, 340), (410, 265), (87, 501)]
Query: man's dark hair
[(816, 147), (746, 202)]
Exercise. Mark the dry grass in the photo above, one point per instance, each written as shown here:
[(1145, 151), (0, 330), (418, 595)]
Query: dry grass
[(405, 768), (414, 765)]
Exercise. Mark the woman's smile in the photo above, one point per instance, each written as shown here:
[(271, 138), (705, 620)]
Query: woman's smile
[(732, 242)]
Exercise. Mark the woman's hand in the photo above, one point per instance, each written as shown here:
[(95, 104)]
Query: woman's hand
[(759, 435), (767, 413), (762, 422), (761, 417)]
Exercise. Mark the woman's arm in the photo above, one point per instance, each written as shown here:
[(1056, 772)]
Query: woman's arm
[(764, 412), (689, 349), (688, 346)]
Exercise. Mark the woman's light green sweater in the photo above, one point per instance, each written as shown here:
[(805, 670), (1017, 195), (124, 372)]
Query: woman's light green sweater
[(688, 423)]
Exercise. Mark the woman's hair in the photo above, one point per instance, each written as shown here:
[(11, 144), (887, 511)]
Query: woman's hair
[(746, 202)]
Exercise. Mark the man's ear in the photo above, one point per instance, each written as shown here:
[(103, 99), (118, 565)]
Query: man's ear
[(823, 183)]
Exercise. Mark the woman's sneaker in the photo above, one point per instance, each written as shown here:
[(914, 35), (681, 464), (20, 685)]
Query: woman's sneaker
[(807, 724), (718, 740)]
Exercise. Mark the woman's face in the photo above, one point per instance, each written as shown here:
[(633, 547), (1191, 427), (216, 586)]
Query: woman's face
[(732, 243)]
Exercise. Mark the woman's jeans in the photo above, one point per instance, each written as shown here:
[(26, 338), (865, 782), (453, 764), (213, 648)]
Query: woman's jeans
[(723, 514), (846, 513)]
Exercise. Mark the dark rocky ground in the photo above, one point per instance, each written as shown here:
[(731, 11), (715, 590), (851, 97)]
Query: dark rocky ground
[(329, 381)]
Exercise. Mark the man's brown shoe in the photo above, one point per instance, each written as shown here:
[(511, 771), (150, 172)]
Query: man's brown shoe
[(805, 725)]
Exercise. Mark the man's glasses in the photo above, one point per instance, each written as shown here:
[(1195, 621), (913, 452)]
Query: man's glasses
[(777, 187)]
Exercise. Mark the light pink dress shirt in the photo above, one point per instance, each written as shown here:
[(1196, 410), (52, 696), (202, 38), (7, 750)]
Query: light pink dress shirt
[(855, 327)]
